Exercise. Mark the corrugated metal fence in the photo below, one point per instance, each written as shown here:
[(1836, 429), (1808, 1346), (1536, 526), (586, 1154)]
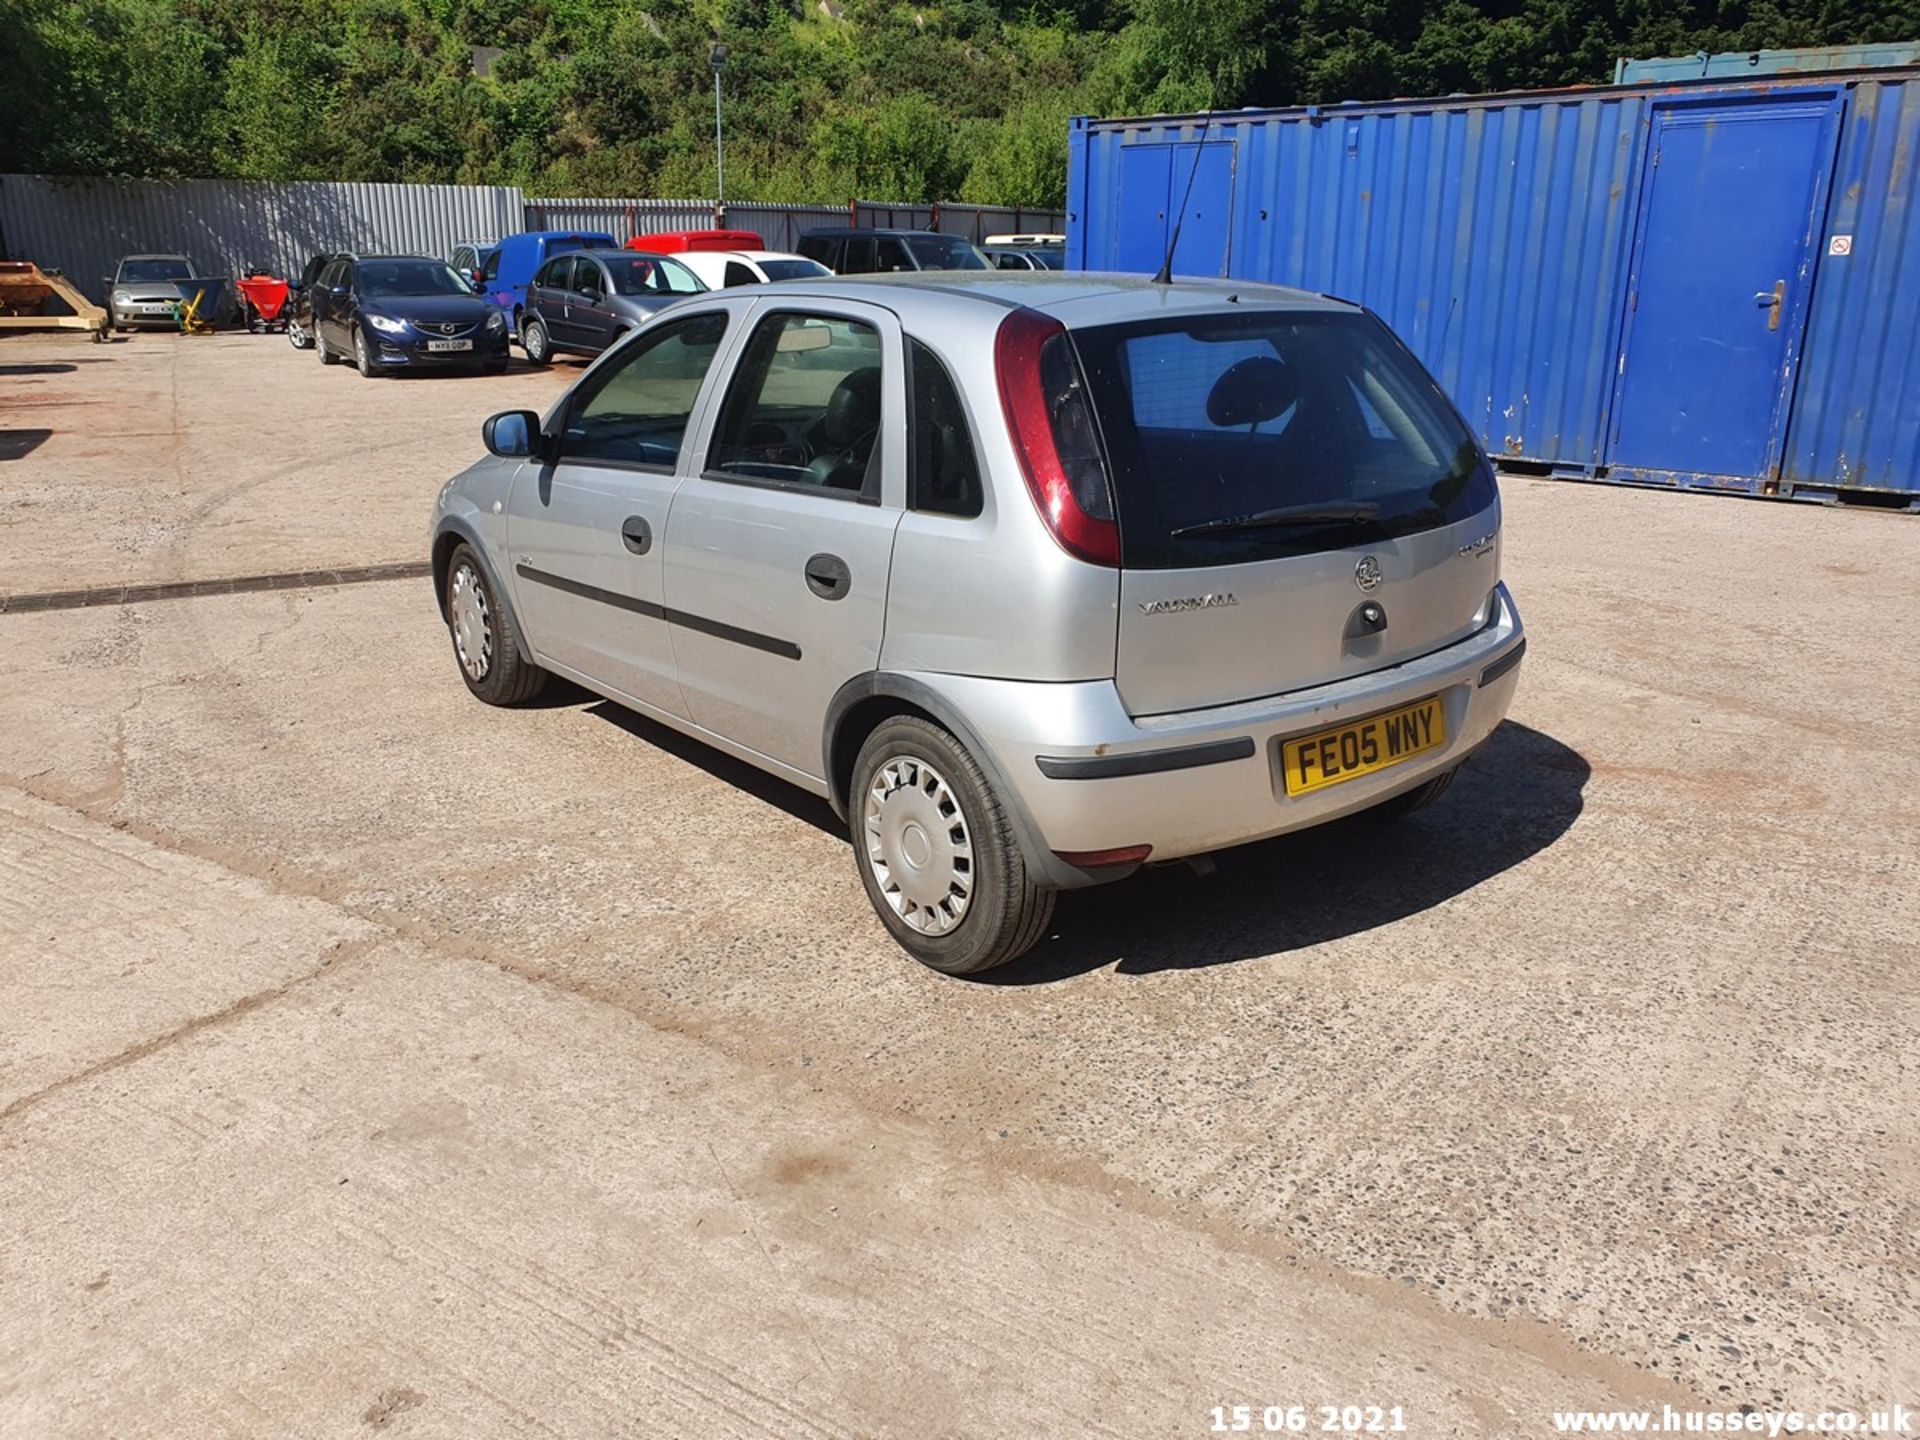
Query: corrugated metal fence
[(83, 227), (782, 225)]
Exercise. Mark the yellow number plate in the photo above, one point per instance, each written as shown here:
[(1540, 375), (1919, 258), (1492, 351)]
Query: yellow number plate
[(1328, 757)]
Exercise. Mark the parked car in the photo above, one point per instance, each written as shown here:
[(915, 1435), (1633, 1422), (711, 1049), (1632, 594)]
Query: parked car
[(586, 300), (719, 269), (146, 290), (518, 257), (467, 258), (300, 317), (1031, 594), (675, 242), (392, 312), (1038, 240), (1010, 257), (849, 251)]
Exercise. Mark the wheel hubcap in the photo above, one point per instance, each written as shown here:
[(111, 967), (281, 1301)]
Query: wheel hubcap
[(536, 341), (918, 845), (360, 350), (472, 624)]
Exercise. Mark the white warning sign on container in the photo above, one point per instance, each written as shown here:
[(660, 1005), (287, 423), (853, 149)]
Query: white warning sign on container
[(1840, 245)]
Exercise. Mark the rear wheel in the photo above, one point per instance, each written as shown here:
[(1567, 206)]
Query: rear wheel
[(534, 340), (485, 645), (327, 357), (937, 854)]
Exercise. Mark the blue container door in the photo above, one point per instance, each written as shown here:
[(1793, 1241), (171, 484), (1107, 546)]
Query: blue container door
[(1154, 180), (1716, 299)]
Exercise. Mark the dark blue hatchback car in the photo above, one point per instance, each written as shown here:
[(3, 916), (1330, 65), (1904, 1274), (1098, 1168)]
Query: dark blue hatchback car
[(404, 312)]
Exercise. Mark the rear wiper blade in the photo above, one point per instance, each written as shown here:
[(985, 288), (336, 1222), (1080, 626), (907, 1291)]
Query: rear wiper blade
[(1312, 514)]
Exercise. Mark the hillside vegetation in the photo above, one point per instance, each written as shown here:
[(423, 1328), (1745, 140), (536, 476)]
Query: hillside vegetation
[(839, 99)]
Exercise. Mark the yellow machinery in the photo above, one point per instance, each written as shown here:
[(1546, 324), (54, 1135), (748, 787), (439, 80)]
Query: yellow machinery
[(24, 289)]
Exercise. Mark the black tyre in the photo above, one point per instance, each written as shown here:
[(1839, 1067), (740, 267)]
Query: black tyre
[(363, 356), (485, 644), (494, 367), (1418, 798), (535, 340), (937, 853), (327, 357)]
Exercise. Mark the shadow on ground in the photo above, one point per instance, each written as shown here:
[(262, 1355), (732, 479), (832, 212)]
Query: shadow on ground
[(18, 444), (1519, 794)]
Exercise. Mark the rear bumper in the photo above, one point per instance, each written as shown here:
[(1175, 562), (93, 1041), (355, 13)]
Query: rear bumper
[(1091, 778)]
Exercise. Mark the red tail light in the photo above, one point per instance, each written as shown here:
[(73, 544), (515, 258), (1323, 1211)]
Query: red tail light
[(1051, 421)]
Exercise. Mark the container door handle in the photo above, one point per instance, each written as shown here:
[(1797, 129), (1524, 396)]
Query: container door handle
[(1773, 299)]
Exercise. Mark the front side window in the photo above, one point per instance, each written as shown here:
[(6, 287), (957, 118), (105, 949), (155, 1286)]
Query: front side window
[(890, 255), (804, 407), (1237, 438), (858, 259), (489, 266), (943, 475), (793, 269), (635, 411)]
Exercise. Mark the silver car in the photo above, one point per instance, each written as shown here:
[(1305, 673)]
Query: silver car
[(149, 289), (1035, 578)]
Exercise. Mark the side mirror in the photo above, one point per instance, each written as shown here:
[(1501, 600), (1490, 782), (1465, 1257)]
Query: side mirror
[(512, 434)]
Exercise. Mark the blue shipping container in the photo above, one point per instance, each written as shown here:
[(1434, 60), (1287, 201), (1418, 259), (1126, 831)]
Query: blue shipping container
[(1706, 284)]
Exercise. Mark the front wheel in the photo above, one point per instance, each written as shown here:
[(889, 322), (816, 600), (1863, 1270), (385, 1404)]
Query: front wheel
[(534, 340), (937, 854), (363, 356), (485, 645)]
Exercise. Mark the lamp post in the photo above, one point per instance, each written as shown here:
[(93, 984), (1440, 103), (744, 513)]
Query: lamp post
[(717, 57)]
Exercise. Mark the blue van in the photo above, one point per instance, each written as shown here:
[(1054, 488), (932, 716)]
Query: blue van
[(512, 264)]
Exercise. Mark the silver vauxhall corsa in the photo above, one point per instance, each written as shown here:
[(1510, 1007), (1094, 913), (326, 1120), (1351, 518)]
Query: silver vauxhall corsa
[(1036, 578)]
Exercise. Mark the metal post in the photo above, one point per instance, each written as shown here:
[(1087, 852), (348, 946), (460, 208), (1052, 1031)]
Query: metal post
[(719, 145), (717, 57)]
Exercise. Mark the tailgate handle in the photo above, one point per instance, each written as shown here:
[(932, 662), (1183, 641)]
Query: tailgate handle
[(636, 534), (828, 577)]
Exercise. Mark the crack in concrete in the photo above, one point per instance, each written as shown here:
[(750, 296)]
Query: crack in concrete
[(340, 950)]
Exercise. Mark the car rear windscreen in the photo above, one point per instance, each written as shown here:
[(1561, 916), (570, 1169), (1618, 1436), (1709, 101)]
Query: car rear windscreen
[(945, 252), (1251, 436), (793, 269)]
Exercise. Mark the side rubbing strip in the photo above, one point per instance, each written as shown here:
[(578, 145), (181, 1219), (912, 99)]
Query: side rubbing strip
[(1505, 663), (1148, 762), (752, 639)]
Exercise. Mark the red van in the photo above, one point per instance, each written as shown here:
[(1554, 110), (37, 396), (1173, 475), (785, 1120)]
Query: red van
[(672, 242)]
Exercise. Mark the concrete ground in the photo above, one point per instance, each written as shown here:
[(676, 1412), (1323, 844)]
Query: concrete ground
[(372, 1060)]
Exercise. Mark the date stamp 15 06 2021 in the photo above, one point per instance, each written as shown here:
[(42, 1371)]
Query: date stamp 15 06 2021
[(1305, 1419)]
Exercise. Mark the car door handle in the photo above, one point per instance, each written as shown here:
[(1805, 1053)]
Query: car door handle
[(636, 534), (828, 577)]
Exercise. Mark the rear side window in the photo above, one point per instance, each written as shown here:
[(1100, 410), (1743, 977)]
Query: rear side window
[(1244, 437), (738, 274), (822, 248), (636, 411), (804, 407), (555, 274), (858, 258), (943, 474)]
